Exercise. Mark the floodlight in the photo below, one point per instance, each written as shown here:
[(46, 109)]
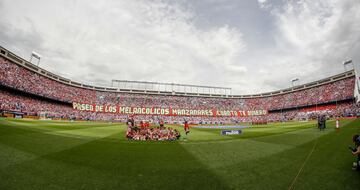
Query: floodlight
[(36, 55), (347, 62), (294, 79)]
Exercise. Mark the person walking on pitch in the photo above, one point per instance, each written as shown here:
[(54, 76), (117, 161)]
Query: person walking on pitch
[(186, 129)]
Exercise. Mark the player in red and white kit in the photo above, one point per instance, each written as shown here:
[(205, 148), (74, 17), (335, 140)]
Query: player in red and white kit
[(161, 123), (186, 127), (142, 125)]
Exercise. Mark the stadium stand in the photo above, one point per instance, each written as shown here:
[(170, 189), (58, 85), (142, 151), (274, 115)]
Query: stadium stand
[(29, 90)]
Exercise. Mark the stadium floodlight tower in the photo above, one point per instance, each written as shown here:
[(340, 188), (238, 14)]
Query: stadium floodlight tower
[(294, 80), (35, 55), (348, 62)]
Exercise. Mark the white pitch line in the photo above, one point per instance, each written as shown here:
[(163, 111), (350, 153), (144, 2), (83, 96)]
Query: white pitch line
[(302, 166)]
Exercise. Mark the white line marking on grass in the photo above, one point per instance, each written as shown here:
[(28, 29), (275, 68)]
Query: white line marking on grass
[(302, 166), (93, 132)]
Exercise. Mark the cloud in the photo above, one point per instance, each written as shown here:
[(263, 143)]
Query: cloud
[(312, 38), (321, 32), (94, 42), (265, 4), (133, 40)]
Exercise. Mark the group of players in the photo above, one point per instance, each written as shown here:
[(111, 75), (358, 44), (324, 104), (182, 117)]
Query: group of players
[(143, 131)]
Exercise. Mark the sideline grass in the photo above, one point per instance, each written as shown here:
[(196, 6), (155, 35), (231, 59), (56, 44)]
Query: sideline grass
[(88, 155)]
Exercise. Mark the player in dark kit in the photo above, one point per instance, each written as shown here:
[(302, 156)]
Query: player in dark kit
[(322, 122), (131, 121)]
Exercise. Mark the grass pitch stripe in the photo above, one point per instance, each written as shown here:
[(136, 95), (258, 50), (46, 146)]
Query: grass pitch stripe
[(302, 166)]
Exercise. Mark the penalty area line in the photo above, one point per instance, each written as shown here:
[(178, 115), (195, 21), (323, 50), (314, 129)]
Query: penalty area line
[(302, 166)]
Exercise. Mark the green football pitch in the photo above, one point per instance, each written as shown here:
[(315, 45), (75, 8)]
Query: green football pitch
[(91, 155)]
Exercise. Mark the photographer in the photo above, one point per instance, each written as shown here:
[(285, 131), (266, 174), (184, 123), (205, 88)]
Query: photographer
[(322, 122), (356, 151)]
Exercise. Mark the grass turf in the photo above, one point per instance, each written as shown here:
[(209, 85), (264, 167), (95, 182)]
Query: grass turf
[(88, 155)]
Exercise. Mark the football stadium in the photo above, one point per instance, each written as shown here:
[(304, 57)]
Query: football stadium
[(59, 132)]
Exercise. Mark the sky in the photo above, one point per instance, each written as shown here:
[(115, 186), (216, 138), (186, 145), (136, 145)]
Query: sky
[(251, 46)]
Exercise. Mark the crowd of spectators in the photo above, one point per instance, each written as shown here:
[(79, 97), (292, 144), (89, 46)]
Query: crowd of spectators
[(335, 91), (20, 78), (330, 92), (23, 104), (32, 106)]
